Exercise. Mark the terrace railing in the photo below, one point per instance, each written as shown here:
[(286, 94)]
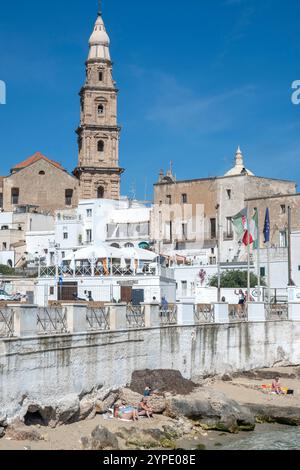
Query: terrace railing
[(168, 314), (277, 312), (98, 318), (238, 313), (6, 322), (135, 316), (52, 321), (204, 313)]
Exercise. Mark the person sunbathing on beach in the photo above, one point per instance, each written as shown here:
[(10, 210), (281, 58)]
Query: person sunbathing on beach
[(144, 409), (276, 386), (127, 413)]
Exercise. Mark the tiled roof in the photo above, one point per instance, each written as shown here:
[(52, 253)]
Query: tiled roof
[(34, 158)]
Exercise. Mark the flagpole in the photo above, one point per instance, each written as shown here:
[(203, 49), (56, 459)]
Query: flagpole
[(258, 257), (269, 273), (248, 254)]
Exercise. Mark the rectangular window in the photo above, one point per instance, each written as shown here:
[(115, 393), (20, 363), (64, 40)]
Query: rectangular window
[(100, 76), (68, 197), (184, 288), (283, 239), (88, 236), (283, 208), (262, 272), (51, 291), (213, 228), (184, 231), (229, 227), (89, 212), (66, 235), (228, 193), (1, 200), (184, 198), (168, 234), (169, 199), (15, 193), (63, 254)]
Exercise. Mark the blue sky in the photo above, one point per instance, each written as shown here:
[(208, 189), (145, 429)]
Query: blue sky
[(196, 79)]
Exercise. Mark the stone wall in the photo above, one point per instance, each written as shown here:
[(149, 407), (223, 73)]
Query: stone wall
[(48, 368)]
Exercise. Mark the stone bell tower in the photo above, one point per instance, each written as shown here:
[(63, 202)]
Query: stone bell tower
[(98, 168)]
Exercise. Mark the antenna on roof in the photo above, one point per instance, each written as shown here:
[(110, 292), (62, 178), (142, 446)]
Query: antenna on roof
[(132, 192)]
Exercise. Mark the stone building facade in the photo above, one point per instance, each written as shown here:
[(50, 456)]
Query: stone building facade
[(193, 214), (40, 182), (278, 205), (98, 135)]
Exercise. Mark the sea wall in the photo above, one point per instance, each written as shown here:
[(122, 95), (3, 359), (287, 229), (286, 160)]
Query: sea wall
[(47, 368)]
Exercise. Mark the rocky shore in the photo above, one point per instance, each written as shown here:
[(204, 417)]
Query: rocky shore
[(184, 412)]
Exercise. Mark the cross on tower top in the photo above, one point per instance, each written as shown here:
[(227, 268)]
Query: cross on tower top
[(99, 8)]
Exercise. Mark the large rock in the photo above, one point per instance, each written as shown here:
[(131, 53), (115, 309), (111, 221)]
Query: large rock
[(129, 397), (158, 404), (102, 406), (162, 380), (59, 412), (151, 438), (212, 410), (100, 439), (276, 414), (87, 409), (18, 431), (3, 420)]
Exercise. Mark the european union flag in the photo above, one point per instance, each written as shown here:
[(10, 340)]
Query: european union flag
[(267, 226)]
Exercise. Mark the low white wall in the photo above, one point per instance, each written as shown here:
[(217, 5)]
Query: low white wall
[(49, 368)]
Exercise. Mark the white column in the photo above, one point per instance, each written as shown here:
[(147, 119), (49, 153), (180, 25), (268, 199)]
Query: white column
[(294, 311), (25, 320), (221, 313), (117, 316), (152, 316), (185, 312), (256, 311), (76, 317)]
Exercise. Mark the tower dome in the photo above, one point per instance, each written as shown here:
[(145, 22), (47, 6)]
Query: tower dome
[(99, 42), (239, 168)]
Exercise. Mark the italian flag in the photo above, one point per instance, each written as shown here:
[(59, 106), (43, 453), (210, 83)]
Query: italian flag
[(248, 235)]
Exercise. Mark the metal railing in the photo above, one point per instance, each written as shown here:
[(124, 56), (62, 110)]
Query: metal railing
[(98, 318), (52, 321), (135, 316), (277, 312), (204, 313), (238, 313), (168, 314), (147, 269), (6, 322)]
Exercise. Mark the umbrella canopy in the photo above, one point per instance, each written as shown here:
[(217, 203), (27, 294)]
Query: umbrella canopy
[(139, 254), (97, 251)]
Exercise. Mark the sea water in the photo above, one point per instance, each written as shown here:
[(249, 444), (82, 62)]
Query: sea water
[(285, 439)]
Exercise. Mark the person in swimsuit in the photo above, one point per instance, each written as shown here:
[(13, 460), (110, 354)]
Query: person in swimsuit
[(129, 413)]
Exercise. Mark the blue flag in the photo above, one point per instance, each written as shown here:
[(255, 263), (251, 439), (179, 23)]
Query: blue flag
[(267, 227)]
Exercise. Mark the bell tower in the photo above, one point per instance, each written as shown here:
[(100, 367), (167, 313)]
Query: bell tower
[(98, 168)]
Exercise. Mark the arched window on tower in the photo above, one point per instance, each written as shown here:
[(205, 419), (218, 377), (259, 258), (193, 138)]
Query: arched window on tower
[(100, 109), (100, 192), (100, 146), (100, 76)]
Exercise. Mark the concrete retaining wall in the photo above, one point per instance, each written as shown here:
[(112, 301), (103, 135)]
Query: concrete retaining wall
[(49, 368)]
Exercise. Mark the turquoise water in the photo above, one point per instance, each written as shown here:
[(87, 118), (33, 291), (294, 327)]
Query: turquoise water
[(287, 439)]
